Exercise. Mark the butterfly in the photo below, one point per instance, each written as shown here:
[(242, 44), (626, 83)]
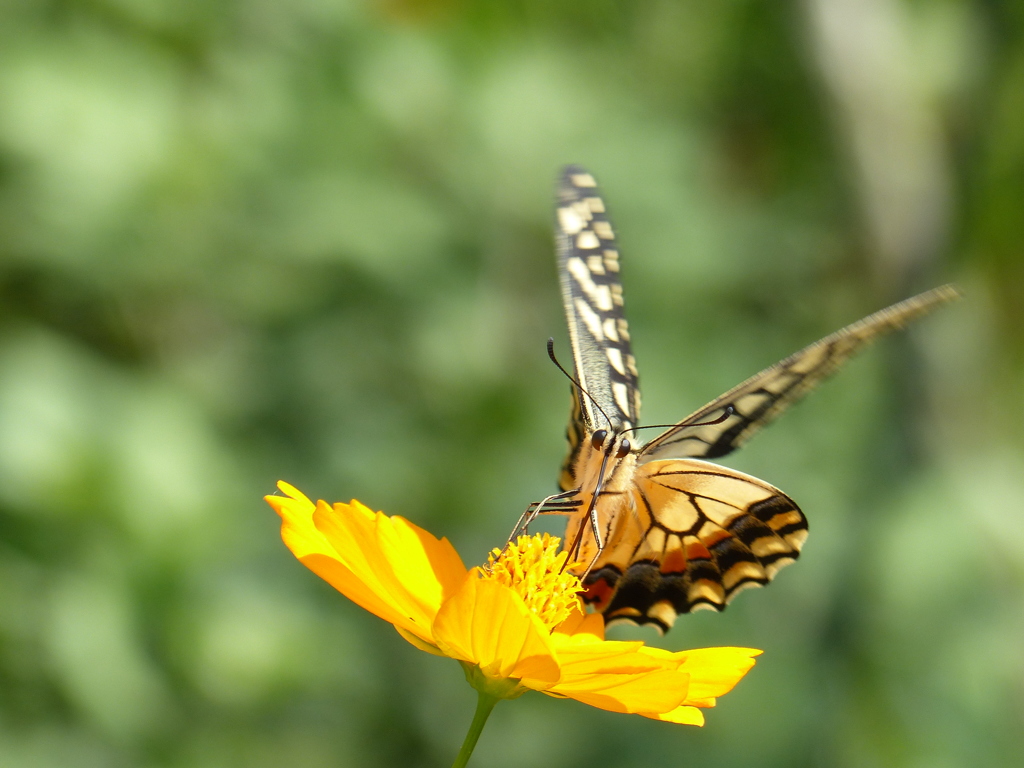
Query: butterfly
[(656, 529)]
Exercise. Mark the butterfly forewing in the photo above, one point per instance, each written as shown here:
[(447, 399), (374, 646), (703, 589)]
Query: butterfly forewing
[(588, 269), (761, 398)]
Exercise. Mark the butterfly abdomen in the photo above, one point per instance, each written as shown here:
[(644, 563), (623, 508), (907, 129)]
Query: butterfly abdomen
[(614, 508)]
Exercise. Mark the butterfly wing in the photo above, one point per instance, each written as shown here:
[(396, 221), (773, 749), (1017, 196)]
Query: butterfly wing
[(697, 534), (588, 270), (680, 534), (761, 398)]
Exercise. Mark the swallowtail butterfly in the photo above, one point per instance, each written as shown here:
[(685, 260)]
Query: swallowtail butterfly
[(656, 529)]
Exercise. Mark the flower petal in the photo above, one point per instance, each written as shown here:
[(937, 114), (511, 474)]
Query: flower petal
[(315, 552), (582, 626), (297, 529), (394, 557), (419, 642), (683, 715), (618, 676), (489, 625), (386, 565), (634, 692), (713, 671)]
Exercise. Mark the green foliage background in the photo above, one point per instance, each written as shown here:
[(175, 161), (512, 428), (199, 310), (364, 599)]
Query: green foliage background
[(250, 239)]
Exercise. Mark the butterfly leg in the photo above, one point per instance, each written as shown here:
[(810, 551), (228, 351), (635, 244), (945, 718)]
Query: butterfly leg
[(555, 504), (577, 543), (595, 527)]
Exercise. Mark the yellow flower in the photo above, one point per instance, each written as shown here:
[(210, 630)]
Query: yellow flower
[(515, 624)]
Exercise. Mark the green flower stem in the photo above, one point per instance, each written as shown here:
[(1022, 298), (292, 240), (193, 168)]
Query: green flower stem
[(484, 704)]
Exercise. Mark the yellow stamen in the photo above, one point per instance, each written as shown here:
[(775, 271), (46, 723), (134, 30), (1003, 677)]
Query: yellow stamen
[(534, 568)]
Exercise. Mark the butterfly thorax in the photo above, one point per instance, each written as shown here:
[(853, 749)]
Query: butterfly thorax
[(604, 465)]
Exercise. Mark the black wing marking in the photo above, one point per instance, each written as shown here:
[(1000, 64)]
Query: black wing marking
[(575, 434), (588, 269), (698, 535), (761, 398)]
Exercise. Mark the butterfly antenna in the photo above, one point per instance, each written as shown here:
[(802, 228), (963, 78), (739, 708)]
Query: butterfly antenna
[(729, 411), (551, 354)]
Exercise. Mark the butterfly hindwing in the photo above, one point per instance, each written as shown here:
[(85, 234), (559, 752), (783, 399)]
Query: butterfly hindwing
[(588, 270), (761, 398), (696, 535)]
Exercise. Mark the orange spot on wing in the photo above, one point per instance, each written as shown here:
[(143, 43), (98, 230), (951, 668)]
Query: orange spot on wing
[(695, 550), (674, 561), (598, 593)]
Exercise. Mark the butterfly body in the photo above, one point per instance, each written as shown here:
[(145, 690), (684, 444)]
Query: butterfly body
[(601, 457), (657, 530)]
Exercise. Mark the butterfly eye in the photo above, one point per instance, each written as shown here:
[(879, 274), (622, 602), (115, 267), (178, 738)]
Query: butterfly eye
[(623, 449), (598, 439)]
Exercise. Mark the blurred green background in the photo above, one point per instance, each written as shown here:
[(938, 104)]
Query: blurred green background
[(311, 240)]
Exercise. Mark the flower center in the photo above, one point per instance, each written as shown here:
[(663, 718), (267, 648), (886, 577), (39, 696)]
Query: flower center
[(534, 568)]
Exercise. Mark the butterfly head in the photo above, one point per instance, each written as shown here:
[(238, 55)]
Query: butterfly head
[(605, 461), (610, 443)]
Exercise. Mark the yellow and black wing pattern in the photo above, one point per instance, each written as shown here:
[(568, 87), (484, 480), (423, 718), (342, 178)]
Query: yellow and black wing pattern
[(588, 270), (762, 397), (695, 535)]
